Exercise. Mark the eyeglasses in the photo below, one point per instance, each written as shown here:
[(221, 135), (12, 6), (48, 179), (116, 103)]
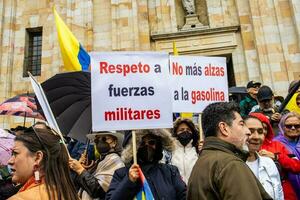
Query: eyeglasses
[(150, 142), (41, 125), (265, 101), (102, 138), (256, 86), (258, 130), (290, 126)]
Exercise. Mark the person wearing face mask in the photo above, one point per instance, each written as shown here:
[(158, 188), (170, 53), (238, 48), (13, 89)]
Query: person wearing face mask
[(94, 183), (185, 153), (263, 167), (164, 180)]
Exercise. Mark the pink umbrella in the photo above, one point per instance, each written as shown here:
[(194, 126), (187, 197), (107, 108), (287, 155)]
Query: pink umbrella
[(20, 105), (6, 145)]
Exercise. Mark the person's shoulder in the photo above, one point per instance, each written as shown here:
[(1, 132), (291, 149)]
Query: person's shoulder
[(38, 192), (114, 157), (266, 161), (168, 168), (243, 102), (220, 159)]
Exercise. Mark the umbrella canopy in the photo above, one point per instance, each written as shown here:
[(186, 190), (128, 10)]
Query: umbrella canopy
[(20, 105), (69, 96), (6, 145)]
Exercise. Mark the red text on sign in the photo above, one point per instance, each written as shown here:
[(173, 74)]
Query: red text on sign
[(123, 69)]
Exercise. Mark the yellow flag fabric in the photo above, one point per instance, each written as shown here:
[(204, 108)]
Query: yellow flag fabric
[(292, 106), (186, 115), (175, 52), (74, 56), (183, 115)]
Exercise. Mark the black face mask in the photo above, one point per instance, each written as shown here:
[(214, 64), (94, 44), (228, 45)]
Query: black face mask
[(185, 137), (102, 147), (146, 154)]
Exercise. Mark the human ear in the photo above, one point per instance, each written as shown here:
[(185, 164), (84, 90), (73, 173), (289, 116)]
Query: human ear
[(39, 157), (223, 127)]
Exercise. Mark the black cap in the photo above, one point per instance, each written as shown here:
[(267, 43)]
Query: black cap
[(252, 84), (264, 93)]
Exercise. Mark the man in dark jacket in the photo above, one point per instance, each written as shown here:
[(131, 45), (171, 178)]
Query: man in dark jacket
[(221, 171), (164, 180)]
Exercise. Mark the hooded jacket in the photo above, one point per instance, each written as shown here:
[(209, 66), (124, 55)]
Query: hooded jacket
[(185, 157), (294, 149), (221, 173), (164, 180), (286, 164)]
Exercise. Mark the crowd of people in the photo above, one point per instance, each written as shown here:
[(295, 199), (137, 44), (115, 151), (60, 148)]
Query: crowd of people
[(250, 151)]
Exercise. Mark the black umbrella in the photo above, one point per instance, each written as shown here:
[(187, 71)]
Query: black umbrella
[(69, 96)]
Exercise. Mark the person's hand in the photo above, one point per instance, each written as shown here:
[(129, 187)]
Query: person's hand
[(200, 145), (276, 117), (134, 173), (76, 166), (266, 153), (83, 157)]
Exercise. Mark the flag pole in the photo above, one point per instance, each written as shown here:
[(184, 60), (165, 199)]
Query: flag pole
[(200, 127), (134, 147), (50, 118)]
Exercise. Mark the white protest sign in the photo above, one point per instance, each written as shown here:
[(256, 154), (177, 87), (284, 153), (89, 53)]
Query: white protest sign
[(39, 92), (130, 90), (197, 81)]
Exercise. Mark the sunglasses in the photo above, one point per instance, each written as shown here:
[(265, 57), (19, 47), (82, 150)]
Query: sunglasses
[(150, 142), (258, 130), (256, 86), (32, 129), (290, 126), (101, 138)]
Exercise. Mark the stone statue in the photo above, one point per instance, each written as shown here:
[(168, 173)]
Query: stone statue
[(189, 6)]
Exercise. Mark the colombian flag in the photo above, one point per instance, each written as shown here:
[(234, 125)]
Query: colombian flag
[(183, 115), (74, 55), (292, 106), (145, 192)]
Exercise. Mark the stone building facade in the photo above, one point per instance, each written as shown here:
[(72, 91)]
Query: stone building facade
[(260, 38)]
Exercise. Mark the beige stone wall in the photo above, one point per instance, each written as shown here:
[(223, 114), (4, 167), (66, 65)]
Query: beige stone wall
[(270, 38), (262, 36)]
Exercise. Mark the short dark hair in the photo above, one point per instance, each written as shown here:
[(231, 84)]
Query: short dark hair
[(215, 113)]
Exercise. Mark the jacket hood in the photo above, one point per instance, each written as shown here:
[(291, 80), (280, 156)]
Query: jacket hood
[(264, 119), (166, 139)]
